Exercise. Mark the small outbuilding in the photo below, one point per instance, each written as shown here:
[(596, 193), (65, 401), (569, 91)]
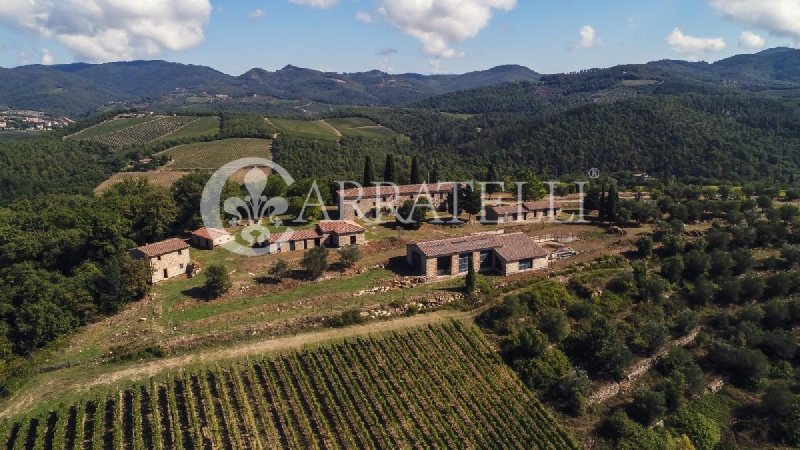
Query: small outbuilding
[(210, 238)]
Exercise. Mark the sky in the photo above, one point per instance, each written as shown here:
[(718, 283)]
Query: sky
[(396, 36)]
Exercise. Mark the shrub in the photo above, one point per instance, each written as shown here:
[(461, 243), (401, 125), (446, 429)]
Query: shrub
[(647, 406), (704, 432), (315, 261), (349, 255), (280, 269), (553, 322), (218, 281), (347, 318)]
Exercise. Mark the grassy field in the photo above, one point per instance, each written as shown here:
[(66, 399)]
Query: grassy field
[(307, 129), (203, 126), (109, 126), (437, 387), (215, 154), (162, 179)]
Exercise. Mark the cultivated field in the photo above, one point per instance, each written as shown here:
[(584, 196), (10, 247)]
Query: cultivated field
[(109, 126), (360, 127), (307, 129), (437, 387), (136, 131), (161, 179), (203, 126), (215, 154)]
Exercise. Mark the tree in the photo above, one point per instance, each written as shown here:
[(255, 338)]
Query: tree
[(612, 204), (470, 282), (315, 261), (696, 264), (645, 246), (349, 255), (470, 201), (704, 432), (702, 291), (434, 175), (491, 178), (411, 215), (218, 281), (369, 172), (389, 172), (721, 264), (672, 269), (416, 178), (647, 406), (280, 269), (764, 202), (554, 323), (533, 189), (150, 210)]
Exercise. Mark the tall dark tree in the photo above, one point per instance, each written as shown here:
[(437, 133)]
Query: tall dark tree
[(389, 173), (434, 175), (612, 203), (471, 282), (416, 178), (491, 177), (369, 172)]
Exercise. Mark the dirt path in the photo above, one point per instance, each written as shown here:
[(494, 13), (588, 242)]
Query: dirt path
[(72, 380), (333, 128)]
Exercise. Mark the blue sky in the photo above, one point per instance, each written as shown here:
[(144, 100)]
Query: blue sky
[(451, 36)]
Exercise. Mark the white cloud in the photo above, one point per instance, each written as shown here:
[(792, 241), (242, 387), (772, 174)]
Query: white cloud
[(363, 16), (320, 4), (257, 13), (751, 41), (780, 17), (107, 30), (589, 37), (47, 57), (683, 43), (440, 24)]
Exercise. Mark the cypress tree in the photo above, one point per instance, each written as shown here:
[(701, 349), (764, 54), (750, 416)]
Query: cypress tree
[(491, 177), (369, 174), (389, 175), (612, 203), (415, 177), (472, 278), (434, 175)]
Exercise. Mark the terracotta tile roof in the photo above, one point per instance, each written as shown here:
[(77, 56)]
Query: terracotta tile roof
[(517, 247), (294, 236), (388, 191), (511, 247), (162, 248), (340, 227), (542, 205), (210, 233)]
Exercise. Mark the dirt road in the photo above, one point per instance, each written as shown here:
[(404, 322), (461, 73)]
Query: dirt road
[(82, 378)]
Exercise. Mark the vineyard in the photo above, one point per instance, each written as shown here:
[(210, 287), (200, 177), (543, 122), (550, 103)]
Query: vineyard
[(437, 387), (144, 133), (215, 154)]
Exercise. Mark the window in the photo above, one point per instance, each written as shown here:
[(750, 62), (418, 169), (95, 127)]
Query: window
[(443, 265), (292, 246), (463, 262), (486, 259), (180, 252), (353, 240), (158, 257), (181, 266), (526, 264)]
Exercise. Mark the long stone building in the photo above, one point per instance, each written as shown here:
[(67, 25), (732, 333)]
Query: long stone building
[(523, 212), (168, 259), (368, 202), (497, 252), (331, 234)]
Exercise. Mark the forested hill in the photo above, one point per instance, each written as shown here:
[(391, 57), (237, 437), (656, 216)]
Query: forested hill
[(76, 89), (732, 137)]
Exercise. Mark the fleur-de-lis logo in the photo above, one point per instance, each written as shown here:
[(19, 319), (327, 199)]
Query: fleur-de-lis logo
[(253, 211)]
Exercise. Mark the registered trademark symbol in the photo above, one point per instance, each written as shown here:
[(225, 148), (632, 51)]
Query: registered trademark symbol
[(594, 172)]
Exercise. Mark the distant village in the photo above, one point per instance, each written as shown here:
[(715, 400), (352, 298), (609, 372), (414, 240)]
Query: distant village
[(27, 120)]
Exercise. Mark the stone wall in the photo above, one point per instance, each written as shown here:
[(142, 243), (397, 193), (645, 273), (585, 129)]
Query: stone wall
[(174, 263)]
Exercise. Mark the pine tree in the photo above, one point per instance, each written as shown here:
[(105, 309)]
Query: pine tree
[(415, 176), (369, 173), (389, 174)]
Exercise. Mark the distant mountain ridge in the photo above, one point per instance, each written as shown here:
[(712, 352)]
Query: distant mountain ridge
[(81, 88), (77, 89)]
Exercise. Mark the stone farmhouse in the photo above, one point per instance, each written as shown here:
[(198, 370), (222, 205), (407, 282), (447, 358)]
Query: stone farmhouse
[(168, 259), (210, 238), (523, 212), (331, 234), (496, 252), (369, 201)]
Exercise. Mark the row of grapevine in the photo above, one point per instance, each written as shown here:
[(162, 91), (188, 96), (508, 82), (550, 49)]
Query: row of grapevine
[(144, 133), (437, 387)]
